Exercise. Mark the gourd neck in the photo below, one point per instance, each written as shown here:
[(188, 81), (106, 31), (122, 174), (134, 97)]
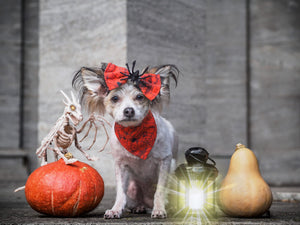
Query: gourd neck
[(239, 146)]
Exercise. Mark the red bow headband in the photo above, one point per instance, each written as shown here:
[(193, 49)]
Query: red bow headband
[(149, 83)]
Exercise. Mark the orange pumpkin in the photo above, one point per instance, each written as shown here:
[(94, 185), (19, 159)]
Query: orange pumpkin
[(65, 190)]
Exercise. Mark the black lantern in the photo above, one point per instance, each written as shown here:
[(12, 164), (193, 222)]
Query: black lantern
[(196, 186)]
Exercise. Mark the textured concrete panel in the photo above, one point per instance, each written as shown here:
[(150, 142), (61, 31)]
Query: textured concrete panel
[(75, 34), (10, 46), (31, 79), (225, 82), (275, 89)]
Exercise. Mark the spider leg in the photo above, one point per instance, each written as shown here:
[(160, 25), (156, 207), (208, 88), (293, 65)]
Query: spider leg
[(83, 126), (96, 129), (91, 158), (133, 65), (144, 77), (101, 119), (87, 133), (107, 138), (144, 71), (126, 75)]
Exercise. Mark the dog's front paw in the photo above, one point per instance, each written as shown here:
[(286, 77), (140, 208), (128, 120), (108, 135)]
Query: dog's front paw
[(159, 214), (112, 214)]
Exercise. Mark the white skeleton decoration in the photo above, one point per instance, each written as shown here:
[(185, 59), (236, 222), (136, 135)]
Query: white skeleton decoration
[(62, 135)]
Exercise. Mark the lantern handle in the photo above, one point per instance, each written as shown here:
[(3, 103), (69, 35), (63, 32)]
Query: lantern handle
[(197, 159), (213, 161)]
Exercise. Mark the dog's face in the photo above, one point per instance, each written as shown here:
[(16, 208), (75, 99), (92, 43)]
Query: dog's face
[(127, 105)]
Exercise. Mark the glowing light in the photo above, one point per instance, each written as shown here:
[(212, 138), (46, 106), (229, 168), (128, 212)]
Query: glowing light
[(195, 188), (196, 199)]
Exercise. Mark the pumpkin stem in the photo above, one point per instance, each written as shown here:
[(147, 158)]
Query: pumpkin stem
[(239, 146), (69, 155)]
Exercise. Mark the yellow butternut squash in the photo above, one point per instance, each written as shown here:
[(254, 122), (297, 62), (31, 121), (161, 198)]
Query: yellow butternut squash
[(243, 192)]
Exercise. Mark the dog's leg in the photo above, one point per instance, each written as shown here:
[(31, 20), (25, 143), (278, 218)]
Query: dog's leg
[(135, 196), (117, 209), (159, 210)]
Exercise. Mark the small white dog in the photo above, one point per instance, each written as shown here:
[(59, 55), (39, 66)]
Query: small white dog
[(143, 143)]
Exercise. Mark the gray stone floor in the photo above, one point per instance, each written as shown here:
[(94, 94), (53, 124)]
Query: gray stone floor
[(15, 210)]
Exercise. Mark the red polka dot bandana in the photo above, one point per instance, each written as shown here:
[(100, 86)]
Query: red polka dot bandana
[(138, 140)]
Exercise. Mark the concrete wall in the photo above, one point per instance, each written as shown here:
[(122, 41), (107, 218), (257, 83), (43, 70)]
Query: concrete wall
[(10, 62), (30, 117), (275, 88), (225, 76), (19, 84)]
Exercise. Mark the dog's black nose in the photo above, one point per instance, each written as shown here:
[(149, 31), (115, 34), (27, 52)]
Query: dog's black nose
[(129, 112)]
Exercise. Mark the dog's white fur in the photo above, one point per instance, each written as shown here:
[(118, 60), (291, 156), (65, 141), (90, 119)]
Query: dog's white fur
[(140, 183)]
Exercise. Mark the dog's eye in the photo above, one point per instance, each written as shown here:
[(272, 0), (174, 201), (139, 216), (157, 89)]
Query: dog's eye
[(139, 97), (115, 99)]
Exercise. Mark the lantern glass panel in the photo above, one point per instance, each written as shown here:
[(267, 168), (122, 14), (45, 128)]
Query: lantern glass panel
[(196, 184)]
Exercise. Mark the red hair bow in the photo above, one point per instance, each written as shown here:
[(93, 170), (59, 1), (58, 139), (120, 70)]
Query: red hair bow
[(149, 83)]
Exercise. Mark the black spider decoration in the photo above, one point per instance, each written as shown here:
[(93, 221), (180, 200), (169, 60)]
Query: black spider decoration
[(134, 76)]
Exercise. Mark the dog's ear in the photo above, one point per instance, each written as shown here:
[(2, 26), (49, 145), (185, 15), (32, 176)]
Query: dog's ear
[(91, 85), (166, 72)]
